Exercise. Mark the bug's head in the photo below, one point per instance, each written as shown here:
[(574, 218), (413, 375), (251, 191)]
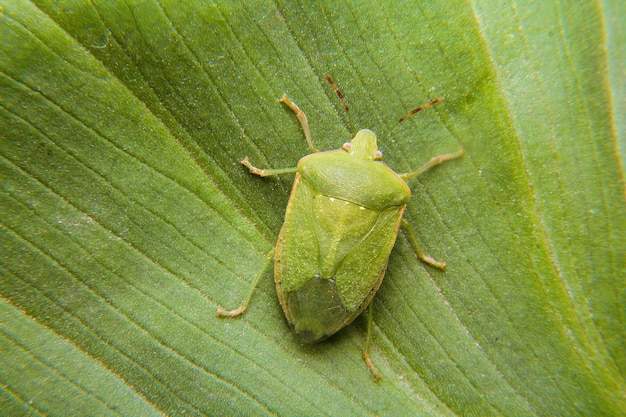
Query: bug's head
[(363, 146)]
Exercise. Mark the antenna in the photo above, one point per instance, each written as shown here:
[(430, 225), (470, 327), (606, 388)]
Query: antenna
[(411, 113), (343, 100), (419, 109)]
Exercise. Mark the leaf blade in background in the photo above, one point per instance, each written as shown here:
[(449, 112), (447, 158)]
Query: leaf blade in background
[(127, 219)]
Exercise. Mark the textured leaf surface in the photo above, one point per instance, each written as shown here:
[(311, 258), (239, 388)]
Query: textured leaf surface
[(127, 219)]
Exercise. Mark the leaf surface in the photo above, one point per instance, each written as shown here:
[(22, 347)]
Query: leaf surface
[(127, 219)]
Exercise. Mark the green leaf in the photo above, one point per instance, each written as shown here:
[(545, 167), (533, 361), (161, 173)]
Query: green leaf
[(127, 219)]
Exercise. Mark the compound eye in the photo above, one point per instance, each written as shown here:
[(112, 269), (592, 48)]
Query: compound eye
[(378, 155), (346, 146)]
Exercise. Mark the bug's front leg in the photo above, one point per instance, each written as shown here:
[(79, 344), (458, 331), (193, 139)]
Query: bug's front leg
[(301, 118), (437, 160)]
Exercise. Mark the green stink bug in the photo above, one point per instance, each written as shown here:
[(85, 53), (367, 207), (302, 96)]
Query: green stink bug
[(341, 222)]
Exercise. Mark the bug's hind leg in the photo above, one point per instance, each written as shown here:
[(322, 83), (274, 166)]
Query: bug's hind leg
[(244, 305)]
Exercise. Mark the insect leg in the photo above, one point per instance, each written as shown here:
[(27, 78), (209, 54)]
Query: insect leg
[(437, 160), (406, 227), (244, 305), (266, 172), (302, 118), (366, 348)]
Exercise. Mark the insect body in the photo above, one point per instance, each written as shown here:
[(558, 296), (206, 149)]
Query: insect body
[(341, 223), (340, 226)]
